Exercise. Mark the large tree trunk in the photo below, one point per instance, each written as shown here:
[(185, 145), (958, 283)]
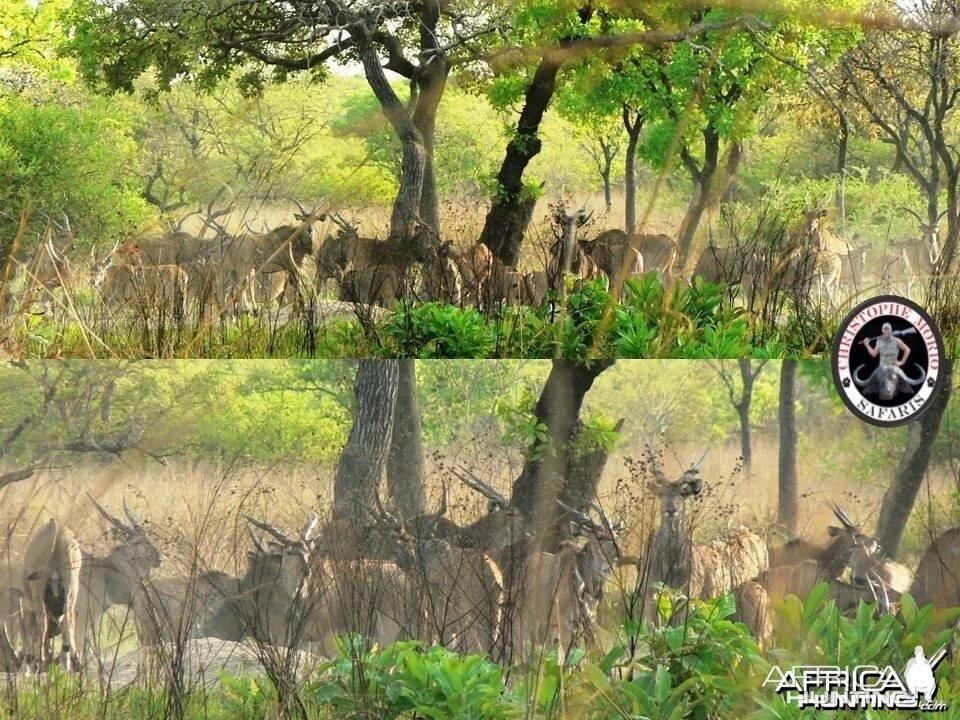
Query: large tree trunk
[(431, 80), (900, 496), (711, 183), (363, 459), (787, 504), (584, 471), (512, 208), (405, 466), (544, 474), (406, 206), (633, 126)]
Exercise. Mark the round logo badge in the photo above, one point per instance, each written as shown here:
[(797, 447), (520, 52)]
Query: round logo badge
[(886, 360)]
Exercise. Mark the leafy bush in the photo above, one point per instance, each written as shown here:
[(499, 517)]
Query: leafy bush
[(403, 681), (435, 330), (704, 666)]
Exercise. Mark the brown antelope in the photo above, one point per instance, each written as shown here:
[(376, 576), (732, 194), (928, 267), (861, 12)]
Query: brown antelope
[(260, 267), (378, 284), (730, 265), (808, 261), (462, 589), (504, 286), (441, 276), (51, 583), (567, 254), (343, 251), (268, 603), (612, 253), (853, 274), (536, 288), (476, 267), (659, 252), (68, 589), (938, 576), (699, 570), (325, 597), (50, 268), (827, 265), (800, 566), (916, 259), (560, 591), (127, 280), (11, 591), (502, 526)]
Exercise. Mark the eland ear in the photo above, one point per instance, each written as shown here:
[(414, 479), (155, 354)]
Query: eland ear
[(695, 485), (833, 530), (575, 529)]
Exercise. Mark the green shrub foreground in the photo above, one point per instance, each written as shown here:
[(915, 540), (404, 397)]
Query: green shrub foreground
[(690, 321), (706, 666)]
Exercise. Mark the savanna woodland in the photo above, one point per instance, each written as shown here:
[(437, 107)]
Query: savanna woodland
[(501, 539), (471, 178)]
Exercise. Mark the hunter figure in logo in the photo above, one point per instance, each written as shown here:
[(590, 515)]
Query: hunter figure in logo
[(888, 378), (918, 674)]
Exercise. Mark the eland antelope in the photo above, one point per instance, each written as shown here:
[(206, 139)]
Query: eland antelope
[(567, 254), (699, 570), (67, 589), (326, 597), (462, 588), (560, 591), (51, 584)]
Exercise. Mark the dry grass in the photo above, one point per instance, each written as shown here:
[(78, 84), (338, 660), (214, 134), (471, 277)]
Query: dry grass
[(186, 503)]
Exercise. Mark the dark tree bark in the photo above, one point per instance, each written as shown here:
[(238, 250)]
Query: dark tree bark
[(544, 474), (711, 182), (902, 493), (512, 208), (741, 402), (430, 81), (787, 504), (584, 472), (405, 465), (406, 207), (603, 156), (633, 124), (363, 459)]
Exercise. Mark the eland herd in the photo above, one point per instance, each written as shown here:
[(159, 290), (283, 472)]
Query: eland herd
[(495, 586), (222, 271)]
